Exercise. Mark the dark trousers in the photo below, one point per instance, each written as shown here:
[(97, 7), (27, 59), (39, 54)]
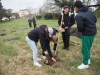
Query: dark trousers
[(65, 38), (30, 25)]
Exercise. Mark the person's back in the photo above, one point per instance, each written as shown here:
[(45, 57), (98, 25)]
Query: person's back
[(36, 33), (86, 25), (29, 21), (85, 15)]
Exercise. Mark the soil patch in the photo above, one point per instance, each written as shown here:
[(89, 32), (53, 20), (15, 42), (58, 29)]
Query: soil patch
[(16, 38), (50, 62), (2, 34)]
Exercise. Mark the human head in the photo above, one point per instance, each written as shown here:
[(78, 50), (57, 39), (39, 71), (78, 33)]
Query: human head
[(54, 39), (66, 9), (78, 4), (50, 30)]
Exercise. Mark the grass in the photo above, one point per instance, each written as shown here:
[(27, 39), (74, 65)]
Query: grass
[(16, 55)]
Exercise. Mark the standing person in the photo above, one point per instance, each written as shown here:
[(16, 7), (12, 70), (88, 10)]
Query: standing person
[(34, 22), (86, 25), (67, 21), (29, 22), (41, 33)]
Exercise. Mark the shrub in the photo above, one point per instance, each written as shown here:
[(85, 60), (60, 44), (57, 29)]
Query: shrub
[(56, 15), (48, 16), (39, 16)]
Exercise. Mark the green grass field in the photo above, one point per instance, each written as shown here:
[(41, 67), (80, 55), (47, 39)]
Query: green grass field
[(16, 55)]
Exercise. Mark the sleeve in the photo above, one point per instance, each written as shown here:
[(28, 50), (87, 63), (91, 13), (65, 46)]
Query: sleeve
[(95, 19), (72, 21), (42, 41), (55, 45), (80, 23), (48, 48), (59, 20)]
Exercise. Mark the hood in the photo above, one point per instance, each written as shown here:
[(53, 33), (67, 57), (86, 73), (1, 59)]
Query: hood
[(43, 27), (84, 8)]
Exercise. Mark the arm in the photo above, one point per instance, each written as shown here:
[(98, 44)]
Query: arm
[(49, 51), (80, 23), (59, 20), (47, 45), (42, 41), (72, 21), (95, 19)]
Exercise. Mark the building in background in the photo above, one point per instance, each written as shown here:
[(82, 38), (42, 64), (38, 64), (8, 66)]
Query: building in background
[(23, 13)]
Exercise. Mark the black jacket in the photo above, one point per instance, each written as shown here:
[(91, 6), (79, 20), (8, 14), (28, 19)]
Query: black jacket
[(86, 21), (68, 21), (39, 33)]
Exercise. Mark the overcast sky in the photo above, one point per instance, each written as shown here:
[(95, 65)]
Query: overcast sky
[(16, 5)]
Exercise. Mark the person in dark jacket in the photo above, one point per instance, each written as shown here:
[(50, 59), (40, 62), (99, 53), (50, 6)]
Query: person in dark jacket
[(34, 22), (41, 33), (86, 24), (53, 39), (66, 20), (30, 22)]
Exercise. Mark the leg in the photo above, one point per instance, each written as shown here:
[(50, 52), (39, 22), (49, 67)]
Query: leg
[(85, 52), (67, 41), (30, 25), (34, 50), (85, 49), (91, 42), (64, 39)]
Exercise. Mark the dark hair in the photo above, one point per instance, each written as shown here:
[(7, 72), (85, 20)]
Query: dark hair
[(78, 4), (65, 7)]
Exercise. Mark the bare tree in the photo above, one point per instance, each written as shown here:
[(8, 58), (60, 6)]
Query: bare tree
[(98, 3), (16, 15), (49, 7), (30, 10)]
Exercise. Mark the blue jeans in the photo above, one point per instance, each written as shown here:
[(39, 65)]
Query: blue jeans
[(33, 46)]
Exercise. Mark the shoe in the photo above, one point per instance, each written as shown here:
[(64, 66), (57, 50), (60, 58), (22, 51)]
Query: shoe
[(44, 57), (37, 64), (64, 48), (89, 62), (67, 48), (38, 59), (82, 66)]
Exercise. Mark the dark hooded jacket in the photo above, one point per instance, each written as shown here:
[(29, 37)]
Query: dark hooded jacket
[(86, 21), (68, 21), (39, 33)]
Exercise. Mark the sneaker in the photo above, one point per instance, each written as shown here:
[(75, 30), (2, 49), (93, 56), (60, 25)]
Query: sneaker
[(38, 59), (37, 64), (89, 62), (82, 66), (44, 57)]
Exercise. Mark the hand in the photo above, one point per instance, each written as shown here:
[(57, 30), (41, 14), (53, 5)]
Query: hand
[(59, 30), (53, 59), (46, 52), (66, 27)]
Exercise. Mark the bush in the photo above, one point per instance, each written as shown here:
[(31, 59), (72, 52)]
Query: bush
[(39, 16), (48, 16), (97, 14), (56, 15)]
